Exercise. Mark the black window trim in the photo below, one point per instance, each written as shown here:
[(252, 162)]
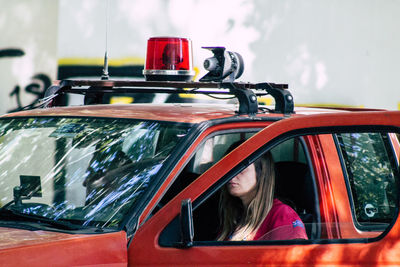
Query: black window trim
[(172, 239)]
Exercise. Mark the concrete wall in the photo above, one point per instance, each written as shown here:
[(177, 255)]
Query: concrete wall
[(31, 26), (335, 52)]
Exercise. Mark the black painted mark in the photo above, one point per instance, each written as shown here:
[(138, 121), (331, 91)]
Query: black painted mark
[(40, 82)]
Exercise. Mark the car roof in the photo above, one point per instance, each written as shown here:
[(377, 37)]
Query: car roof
[(184, 113)]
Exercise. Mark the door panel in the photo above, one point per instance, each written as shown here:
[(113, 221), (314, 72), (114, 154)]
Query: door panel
[(145, 247)]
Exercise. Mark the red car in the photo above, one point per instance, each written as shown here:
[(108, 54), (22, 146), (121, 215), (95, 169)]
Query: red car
[(140, 184)]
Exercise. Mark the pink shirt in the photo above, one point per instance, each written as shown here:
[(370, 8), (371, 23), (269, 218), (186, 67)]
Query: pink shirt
[(281, 223)]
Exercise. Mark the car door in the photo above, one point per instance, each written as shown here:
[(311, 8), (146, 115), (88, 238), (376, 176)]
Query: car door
[(166, 237)]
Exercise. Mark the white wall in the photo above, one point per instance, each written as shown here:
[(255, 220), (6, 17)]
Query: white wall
[(31, 26), (330, 52), (341, 52)]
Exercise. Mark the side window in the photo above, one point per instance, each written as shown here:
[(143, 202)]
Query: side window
[(290, 150), (371, 170), (213, 149), (369, 166), (293, 192), (206, 155)]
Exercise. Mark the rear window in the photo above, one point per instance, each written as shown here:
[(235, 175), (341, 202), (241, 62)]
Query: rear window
[(370, 166)]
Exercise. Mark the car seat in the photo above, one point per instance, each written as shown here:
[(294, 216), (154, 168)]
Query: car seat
[(295, 187)]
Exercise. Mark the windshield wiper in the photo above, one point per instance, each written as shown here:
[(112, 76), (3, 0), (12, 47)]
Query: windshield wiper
[(21, 225), (20, 216)]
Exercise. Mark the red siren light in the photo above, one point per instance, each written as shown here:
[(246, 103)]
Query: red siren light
[(169, 59)]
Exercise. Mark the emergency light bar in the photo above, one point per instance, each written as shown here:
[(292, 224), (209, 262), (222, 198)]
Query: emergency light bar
[(169, 69), (169, 59)]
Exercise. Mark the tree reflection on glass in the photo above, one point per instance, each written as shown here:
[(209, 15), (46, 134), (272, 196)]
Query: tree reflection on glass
[(92, 171), (372, 176)]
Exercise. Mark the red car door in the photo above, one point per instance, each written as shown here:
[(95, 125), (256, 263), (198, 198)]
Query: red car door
[(163, 239)]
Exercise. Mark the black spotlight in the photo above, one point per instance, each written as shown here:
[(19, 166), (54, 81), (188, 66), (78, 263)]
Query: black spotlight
[(224, 66)]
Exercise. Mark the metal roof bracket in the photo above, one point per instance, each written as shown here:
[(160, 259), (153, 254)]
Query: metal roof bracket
[(247, 99), (246, 93), (283, 98)]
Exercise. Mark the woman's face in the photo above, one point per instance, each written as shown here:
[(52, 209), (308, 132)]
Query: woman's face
[(244, 184)]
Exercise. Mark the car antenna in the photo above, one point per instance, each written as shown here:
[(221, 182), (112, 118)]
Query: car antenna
[(105, 75)]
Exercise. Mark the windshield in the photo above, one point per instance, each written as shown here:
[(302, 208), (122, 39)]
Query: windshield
[(84, 171)]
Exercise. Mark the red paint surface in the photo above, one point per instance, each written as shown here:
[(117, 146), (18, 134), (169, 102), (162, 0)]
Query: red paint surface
[(43, 248)]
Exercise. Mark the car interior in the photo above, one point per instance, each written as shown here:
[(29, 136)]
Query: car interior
[(294, 183)]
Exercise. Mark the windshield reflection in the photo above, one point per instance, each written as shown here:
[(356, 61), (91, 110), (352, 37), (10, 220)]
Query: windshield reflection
[(88, 171)]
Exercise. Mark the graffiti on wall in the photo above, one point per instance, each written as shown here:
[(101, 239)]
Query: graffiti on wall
[(39, 82)]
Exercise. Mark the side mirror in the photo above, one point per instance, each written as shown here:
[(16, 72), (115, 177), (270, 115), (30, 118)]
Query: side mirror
[(186, 220)]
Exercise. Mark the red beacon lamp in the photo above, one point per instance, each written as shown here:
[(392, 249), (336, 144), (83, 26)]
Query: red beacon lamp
[(169, 59)]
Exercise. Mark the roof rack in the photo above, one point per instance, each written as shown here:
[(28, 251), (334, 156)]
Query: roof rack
[(246, 93)]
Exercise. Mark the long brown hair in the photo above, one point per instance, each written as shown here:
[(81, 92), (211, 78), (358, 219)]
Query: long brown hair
[(232, 212)]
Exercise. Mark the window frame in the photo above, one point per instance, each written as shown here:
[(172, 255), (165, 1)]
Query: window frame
[(395, 167), (171, 231), (167, 233)]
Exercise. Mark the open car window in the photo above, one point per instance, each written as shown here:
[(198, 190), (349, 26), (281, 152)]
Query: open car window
[(374, 163), (212, 149), (294, 187)]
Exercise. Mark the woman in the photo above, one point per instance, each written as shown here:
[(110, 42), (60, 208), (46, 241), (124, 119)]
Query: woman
[(250, 212)]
